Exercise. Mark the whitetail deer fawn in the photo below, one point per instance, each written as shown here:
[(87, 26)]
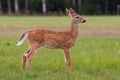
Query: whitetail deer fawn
[(52, 39)]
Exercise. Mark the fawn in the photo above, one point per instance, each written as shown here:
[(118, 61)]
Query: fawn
[(52, 39)]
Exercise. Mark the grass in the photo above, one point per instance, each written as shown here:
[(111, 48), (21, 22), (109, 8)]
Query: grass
[(96, 25), (96, 58), (93, 58), (50, 21)]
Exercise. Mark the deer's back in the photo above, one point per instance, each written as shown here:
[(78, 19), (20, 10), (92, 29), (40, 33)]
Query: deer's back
[(51, 39)]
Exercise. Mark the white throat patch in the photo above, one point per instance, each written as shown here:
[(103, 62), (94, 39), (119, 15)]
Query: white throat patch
[(76, 24)]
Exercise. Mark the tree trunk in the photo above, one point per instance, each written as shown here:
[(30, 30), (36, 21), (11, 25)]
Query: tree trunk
[(0, 7), (79, 5), (73, 3), (26, 7), (9, 6), (106, 6), (44, 8), (16, 6), (118, 9)]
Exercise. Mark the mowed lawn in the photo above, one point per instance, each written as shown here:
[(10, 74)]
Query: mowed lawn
[(95, 55)]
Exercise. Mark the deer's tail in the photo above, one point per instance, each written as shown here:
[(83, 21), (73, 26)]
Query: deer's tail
[(22, 39)]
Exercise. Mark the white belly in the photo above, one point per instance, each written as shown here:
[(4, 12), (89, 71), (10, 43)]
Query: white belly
[(48, 46)]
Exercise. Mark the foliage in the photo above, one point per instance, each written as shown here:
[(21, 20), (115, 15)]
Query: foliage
[(89, 7)]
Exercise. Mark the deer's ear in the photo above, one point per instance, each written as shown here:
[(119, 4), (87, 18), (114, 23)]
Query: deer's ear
[(68, 12), (72, 11)]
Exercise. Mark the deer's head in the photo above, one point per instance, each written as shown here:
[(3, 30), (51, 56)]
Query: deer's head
[(76, 18)]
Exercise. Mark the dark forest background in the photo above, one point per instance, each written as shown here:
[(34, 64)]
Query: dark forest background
[(57, 7)]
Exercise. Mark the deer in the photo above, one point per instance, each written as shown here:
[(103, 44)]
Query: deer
[(51, 39)]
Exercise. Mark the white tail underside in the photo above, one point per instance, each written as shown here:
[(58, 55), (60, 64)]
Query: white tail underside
[(22, 40)]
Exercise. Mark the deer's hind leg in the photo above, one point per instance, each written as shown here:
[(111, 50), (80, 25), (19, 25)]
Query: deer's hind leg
[(27, 56), (24, 58), (34, 49)]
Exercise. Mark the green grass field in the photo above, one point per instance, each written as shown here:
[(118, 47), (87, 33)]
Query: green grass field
[(95, 55)]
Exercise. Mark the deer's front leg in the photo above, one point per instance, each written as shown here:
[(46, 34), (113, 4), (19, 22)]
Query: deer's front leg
[(67, 59)]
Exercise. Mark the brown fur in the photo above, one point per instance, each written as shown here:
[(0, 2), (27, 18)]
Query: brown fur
[(53, 39)]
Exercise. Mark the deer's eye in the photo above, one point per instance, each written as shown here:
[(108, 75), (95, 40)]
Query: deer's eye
[(77, 17)]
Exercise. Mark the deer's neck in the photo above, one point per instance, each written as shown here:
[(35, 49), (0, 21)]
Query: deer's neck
[(74, 29)]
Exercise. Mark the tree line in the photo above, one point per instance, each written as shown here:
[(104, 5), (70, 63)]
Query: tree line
[(86, 7)]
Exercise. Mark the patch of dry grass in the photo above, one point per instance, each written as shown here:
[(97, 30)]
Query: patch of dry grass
[(95, 25)]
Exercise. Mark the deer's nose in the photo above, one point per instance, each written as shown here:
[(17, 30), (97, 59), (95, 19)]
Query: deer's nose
[(83, 21)]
